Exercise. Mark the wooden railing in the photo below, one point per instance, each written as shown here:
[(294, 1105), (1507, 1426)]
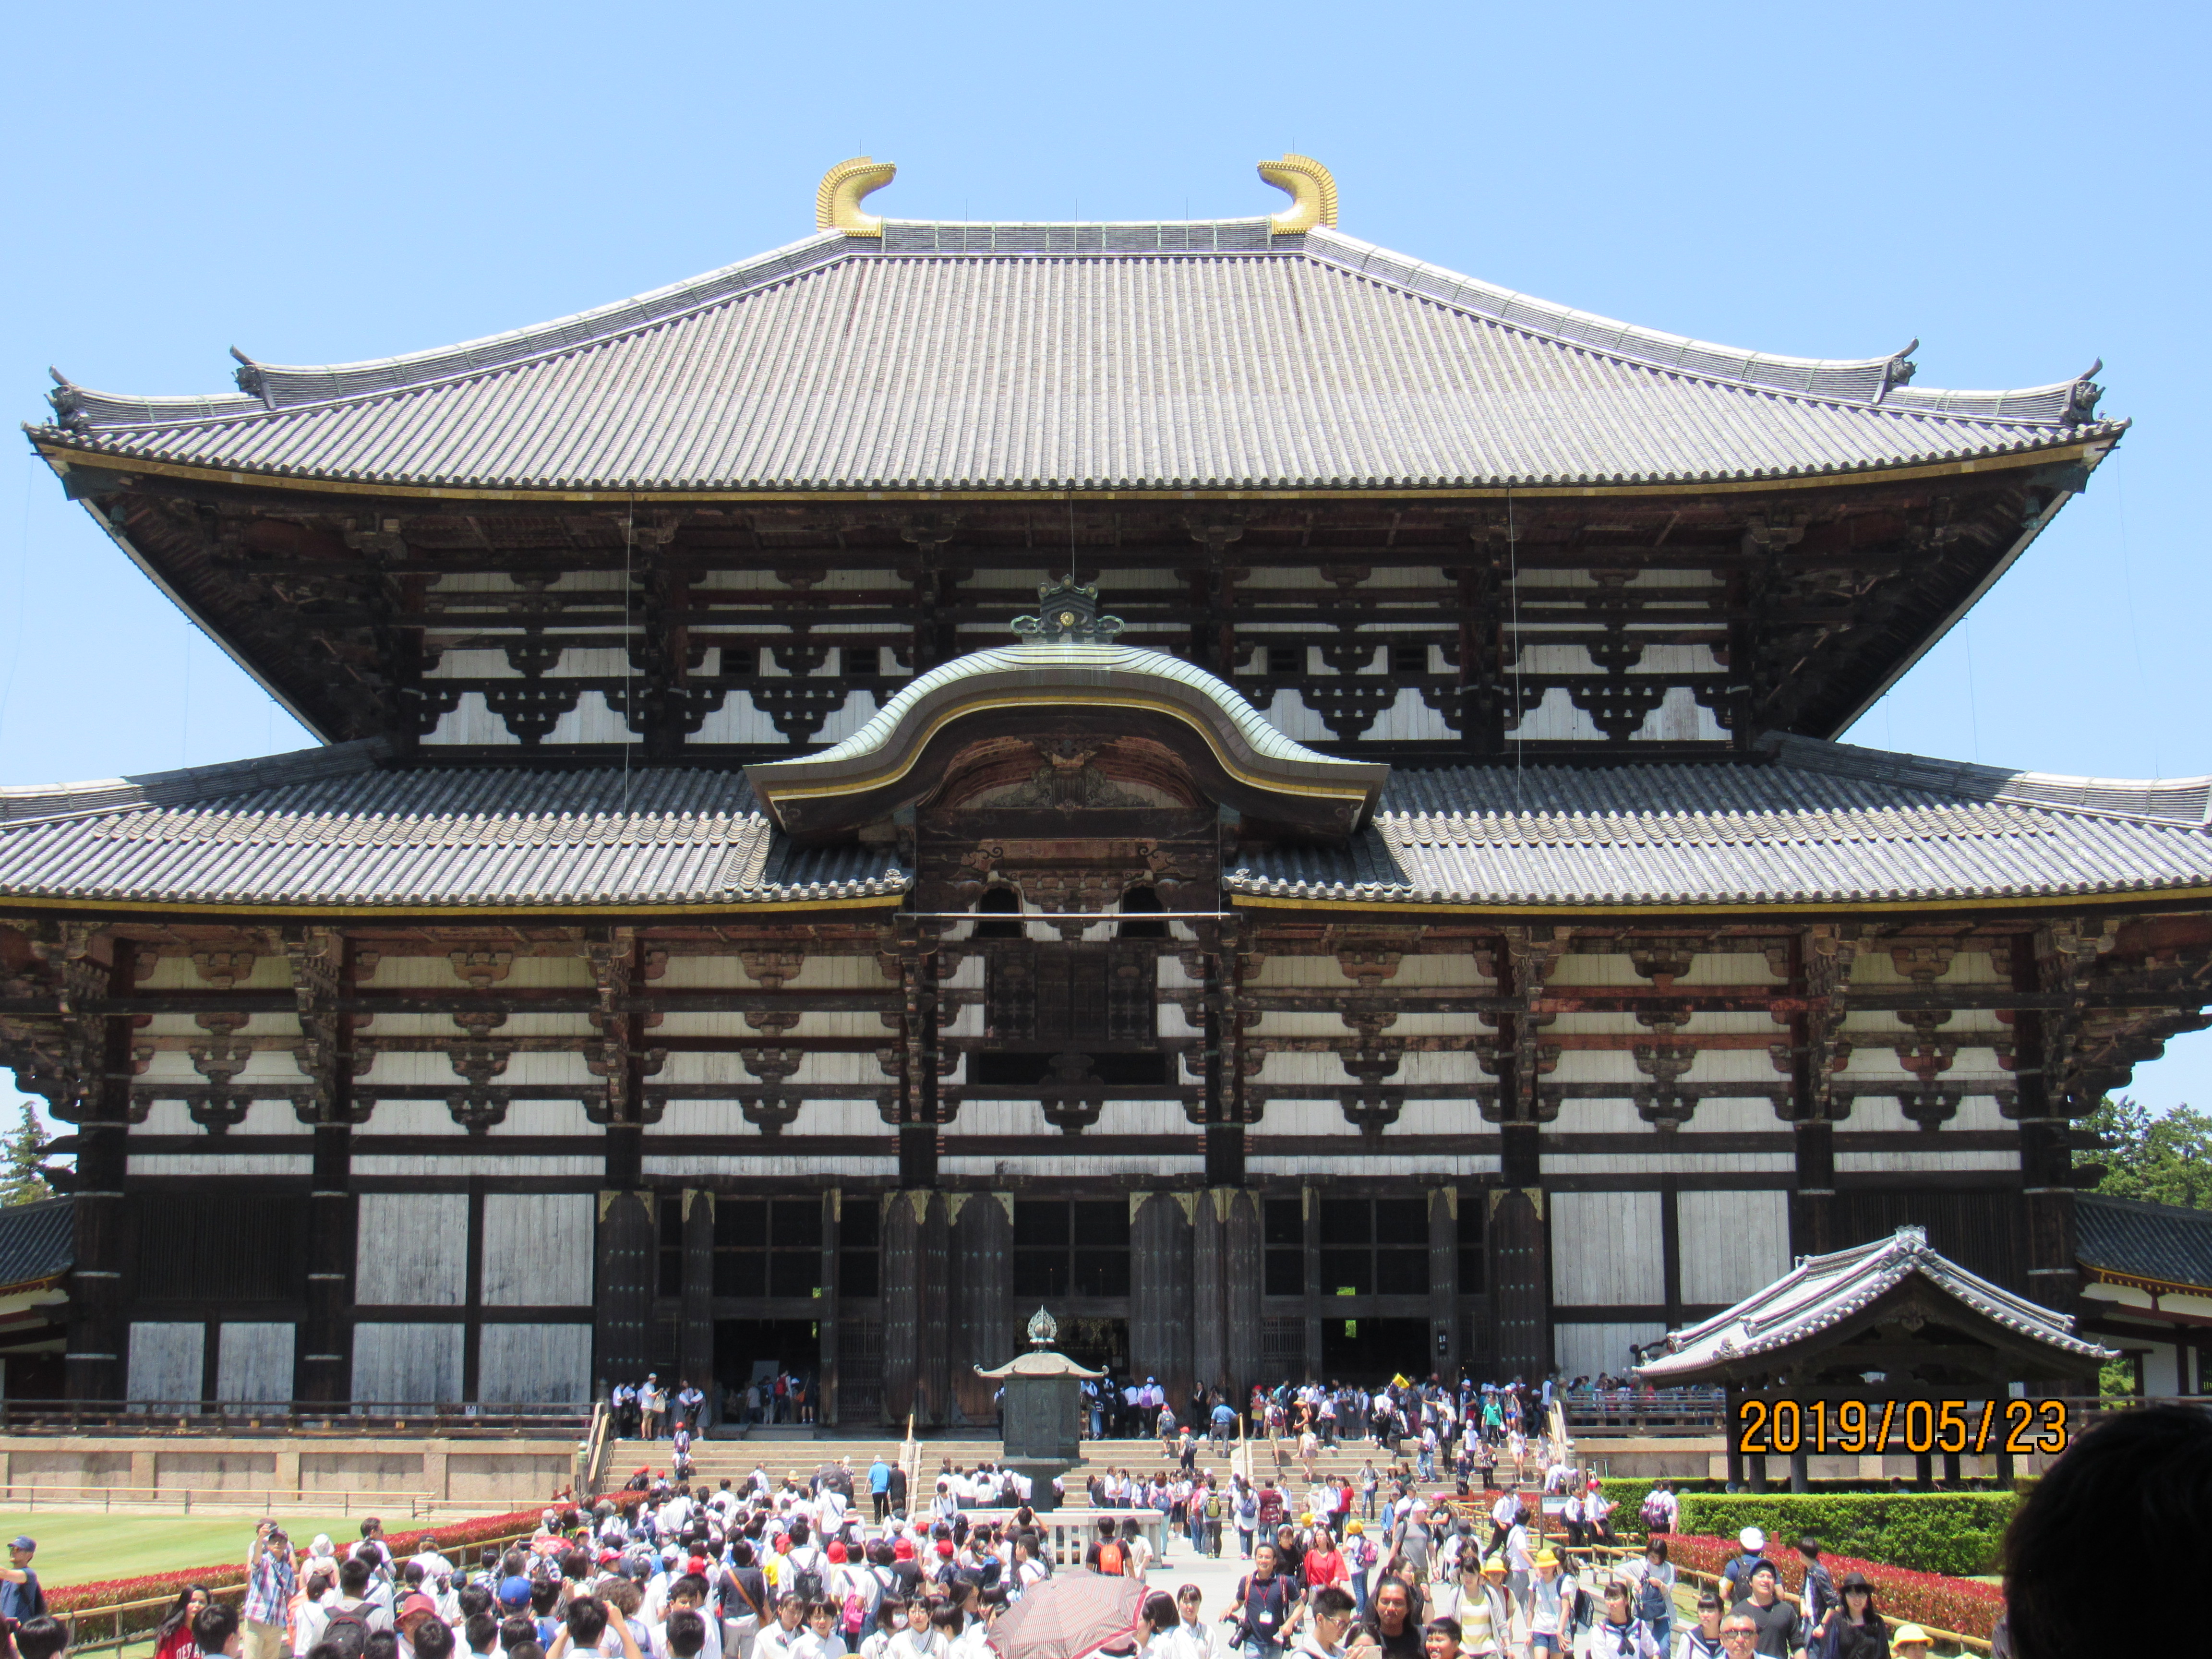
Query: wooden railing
[(28, 1495), (296, 1417)]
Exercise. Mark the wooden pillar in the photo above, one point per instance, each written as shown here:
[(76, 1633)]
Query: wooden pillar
[(694, 1342), (628, 1255), (325, 1371), (983, 1286), (1241, 1286), (933, 1374), (1209, 1324), (1159, 1290), (901, 1304), (1444, 1282), (2046, 1164), (1813, 1191), (1728, 1420), (1801, 1471), (100, 1328), (827, 1355), (1317, 1301), (1520, 1281)]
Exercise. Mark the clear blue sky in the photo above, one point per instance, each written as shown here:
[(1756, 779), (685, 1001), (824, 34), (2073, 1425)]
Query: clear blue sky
[(2021, 186)]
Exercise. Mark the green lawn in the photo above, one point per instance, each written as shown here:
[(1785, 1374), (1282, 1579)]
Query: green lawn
[(75, 1548)]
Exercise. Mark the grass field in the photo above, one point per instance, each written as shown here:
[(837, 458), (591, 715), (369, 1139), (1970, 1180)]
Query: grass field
[(74, 1549)]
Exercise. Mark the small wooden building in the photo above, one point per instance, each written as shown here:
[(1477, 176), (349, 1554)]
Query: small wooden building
[(1416, 913)]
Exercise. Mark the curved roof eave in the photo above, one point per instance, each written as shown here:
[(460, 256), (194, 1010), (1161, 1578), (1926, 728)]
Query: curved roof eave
[(1878, 381)]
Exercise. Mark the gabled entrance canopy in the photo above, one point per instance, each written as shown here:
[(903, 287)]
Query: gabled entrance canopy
[(1069, 680), (1893, 1307)]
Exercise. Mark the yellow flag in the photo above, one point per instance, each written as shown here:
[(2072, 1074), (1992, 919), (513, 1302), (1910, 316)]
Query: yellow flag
[(1400, 1383)]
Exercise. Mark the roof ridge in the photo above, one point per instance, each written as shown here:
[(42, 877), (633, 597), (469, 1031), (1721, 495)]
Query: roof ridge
[(1865, 382), (263, 387), (2185, 801), (28, 804)]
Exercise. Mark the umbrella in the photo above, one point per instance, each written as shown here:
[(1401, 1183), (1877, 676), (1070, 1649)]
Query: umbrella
[(1072, 1613)]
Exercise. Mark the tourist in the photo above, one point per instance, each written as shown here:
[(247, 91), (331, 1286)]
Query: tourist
[(1486, 1615), (1440, 1639), (44, 1637), (1818, 1597), (1854, 1628), (310, 1614), (2132, 1497), (173, 1637), (1618, 1633), (1395, 1630), (216, 1631), (1330, 1617), (1193, 1639), (1653, 1577), (270, 1585), (1265, 1603), (1911, 1642), (919, 1640), (1105, 1554), (1781, 1629), (778, 1638), (1552, 1594), (1736, 1577), (1703, 1639)]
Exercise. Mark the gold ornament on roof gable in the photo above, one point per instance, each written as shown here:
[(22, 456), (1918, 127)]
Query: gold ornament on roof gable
[(837, 202), (1312, 191)]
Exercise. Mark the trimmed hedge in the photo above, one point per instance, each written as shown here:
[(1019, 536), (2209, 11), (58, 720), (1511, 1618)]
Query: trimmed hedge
[(1955, 1533)]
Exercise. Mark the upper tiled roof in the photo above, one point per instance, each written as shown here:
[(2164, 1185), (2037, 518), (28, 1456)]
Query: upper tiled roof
[(330, 828), (37, 1241), (1824, 1291), (1199, 355), (1821, 822), (2163, 1241)]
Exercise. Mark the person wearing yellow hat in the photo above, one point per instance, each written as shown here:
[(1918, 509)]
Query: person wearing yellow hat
[(1910, 1641), (1551, 1605)]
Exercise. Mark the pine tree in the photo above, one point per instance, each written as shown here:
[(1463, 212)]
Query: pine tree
[(2164, 1160), (21, 1181)]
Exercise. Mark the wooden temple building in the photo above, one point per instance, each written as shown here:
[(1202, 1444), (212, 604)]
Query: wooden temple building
[(1394, 899)]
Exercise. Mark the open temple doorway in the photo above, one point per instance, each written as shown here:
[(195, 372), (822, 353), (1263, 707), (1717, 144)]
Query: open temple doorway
[(749, 1355), (1373, 1351)]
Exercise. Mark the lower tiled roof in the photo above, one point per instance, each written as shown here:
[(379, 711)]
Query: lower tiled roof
[(2163, 1241), (1817, 822), (37, 1241), (333, 827)]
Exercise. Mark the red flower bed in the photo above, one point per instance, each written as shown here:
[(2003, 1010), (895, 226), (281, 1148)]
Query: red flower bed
[(229, 1575), (1954, 1604)]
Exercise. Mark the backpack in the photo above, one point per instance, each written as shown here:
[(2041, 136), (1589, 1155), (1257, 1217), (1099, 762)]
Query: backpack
[(1213, 1506), (806, 1575), (1111, 1559), (348, 1618), (1652, 1602), (1654, 1510)]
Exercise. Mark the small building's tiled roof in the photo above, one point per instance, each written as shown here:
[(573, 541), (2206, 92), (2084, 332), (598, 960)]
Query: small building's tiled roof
[(1824, 1291), (1206, 355), (1820, 822), (331, 827), (37, 1241), (2166, 1242)]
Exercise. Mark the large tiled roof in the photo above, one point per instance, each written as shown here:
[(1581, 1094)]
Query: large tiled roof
[(1820, 822), (1822, 1292), (331, 827), (2162, 1242), (37, 1241), (1199, 355)]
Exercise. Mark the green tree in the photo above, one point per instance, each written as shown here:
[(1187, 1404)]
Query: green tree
[(22, 1181), (2162, 1160)]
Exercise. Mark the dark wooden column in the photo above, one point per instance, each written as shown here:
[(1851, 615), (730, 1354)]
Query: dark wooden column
[(1813, 1190), (1444, 1280), (1240, 1283), (99, 1329), (325, 1371), (1209, 1289), (833, 1309), (2046, 1161), (1520, 1297), (1159, 1293), (695, 1347), (1813, 1187), (983, 1290), (901, 1292), (627, 1252), (932, 1344)]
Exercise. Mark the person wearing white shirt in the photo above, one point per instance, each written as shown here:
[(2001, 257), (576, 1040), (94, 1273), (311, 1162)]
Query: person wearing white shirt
[(1193, 1639), (779, 1637), (919, 1640)]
